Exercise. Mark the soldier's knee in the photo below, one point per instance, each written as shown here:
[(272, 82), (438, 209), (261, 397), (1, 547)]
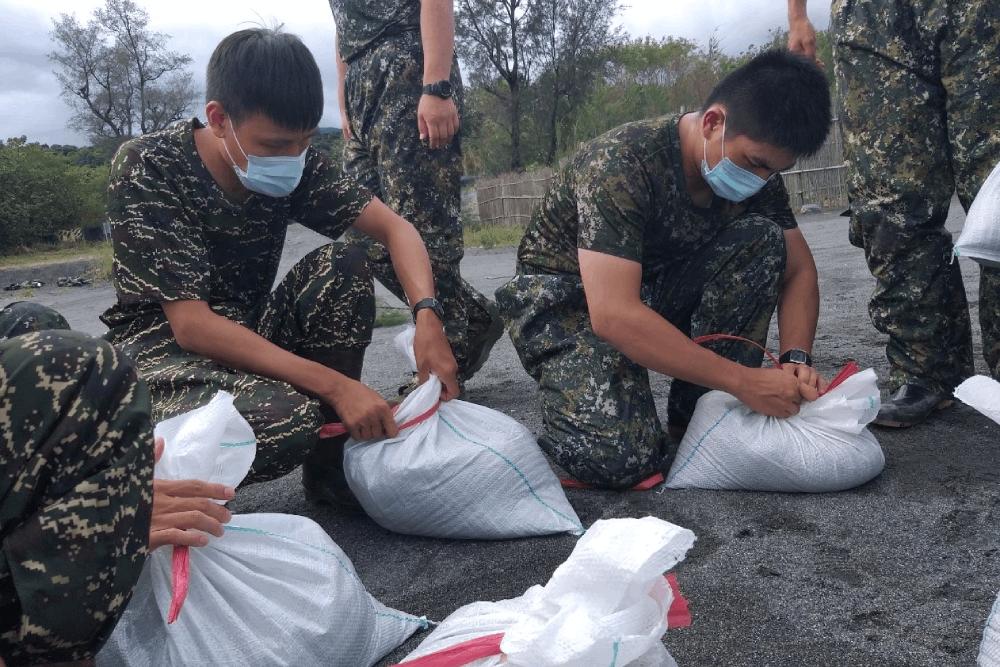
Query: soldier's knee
[(603, 460), (23, 317)]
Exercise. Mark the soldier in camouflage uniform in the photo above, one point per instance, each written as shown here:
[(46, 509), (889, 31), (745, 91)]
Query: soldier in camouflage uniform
[(403, 145), (920, 95), (198, 223), (634, 250), (76, 448)]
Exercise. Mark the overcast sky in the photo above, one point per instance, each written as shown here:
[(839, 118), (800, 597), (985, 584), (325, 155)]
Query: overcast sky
[(29, 93)]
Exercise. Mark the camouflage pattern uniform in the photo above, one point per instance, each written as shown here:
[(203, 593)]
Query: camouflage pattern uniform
[(177, 236), (715, 270), (920, 94), (76, 453), (380, 42)]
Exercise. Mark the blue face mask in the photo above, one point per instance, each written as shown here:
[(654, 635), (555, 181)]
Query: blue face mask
[(271, 176), (728, 180)]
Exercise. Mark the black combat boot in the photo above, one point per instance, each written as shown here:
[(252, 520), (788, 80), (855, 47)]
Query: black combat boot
[(910, 405)]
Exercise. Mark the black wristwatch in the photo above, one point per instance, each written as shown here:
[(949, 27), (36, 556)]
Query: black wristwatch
[(429, 302), (440, 89), (796, 356)]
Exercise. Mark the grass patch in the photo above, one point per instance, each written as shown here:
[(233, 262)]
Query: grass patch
[(492, 236), (60, 253), (391, 317)]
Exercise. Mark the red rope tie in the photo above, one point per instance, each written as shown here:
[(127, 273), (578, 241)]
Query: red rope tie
[(180, 580), (338, 428)]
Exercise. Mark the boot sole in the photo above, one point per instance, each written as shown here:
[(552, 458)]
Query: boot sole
[(891, 423)]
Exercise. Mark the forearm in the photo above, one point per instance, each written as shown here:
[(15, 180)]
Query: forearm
[(236, 346), (798, 311), (411, 262), (341, 78), (797, 10), (649, 340), (437, 34)]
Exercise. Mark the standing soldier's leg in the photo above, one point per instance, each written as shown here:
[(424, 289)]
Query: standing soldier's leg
[(76, 468), (901, 182), (383, 89), (970, 71)]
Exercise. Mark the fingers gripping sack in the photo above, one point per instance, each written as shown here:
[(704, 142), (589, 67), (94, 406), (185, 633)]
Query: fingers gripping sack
[(825, 447), (457, 470), (274, 590), (607, 604)]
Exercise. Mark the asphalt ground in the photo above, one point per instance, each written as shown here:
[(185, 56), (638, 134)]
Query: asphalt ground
[(901, 571)]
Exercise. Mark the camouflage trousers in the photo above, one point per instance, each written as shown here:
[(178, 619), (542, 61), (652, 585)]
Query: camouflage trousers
[(600, 421), (323, 310), (385, 154), (76, 452), (920, 94)]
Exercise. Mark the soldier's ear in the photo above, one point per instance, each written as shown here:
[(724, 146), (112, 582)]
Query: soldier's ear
[(215, 116), (713, 120)]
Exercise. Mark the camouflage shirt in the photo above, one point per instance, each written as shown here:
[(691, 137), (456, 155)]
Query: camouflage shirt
[(361, 24), (177, 236), (623, 194)]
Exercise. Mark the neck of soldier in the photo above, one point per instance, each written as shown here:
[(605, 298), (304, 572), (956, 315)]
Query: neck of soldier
[(218, 164), (692, 151)]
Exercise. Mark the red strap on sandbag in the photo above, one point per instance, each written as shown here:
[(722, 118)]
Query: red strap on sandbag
[(849, 369), (181, 579), (644, 485), (679, 614), (337, 428), (460, 654), (741, 339)]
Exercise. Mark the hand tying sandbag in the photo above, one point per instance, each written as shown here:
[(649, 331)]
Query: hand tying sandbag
[(825, 447), (274, 590), (460, 471)]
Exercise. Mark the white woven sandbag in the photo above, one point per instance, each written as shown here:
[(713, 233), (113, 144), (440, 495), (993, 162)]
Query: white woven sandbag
[(465, 472), (825, 447), (989, 649), (981, 393), (980, 237), (605, 605), (274, 590)]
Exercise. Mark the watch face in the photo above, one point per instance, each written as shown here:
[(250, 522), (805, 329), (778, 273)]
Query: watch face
[(444, 88), (798, 357)]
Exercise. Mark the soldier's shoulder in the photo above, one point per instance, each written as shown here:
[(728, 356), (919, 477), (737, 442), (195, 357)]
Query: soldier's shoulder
[(161, 152)]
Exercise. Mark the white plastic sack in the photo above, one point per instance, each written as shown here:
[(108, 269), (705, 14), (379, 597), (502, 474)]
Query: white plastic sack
[(981, 393), (466, 472), (825, 447), (980, 237), (274, 590), (606, 605), (989, 649)]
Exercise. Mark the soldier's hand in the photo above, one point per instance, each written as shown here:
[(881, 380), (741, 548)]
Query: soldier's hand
[(365, 414), (770, 391), (437, 120), (433, 353), (345, 124), (184, 510), (811, 383), (802, 39)]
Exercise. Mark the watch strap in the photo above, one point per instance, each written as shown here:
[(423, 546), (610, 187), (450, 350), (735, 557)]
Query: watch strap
[(429, 302)]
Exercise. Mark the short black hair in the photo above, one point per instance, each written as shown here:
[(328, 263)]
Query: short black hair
[(779, 98), (266, 71)]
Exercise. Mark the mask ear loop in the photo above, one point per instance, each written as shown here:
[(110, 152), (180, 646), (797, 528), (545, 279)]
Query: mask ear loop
[(239, 145)]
